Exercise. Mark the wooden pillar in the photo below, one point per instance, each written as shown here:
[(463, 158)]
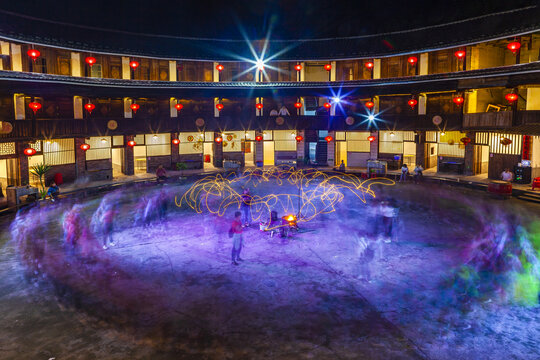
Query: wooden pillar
[(175, 151), (420, 140), (218, 150), (374, 146), (24, 175), (128, 165), (330, 150), (80, 158), (469, 154), (300, 148), (259, 148)]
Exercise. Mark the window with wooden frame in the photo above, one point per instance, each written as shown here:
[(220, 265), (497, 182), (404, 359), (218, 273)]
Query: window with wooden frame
[(63, 63)]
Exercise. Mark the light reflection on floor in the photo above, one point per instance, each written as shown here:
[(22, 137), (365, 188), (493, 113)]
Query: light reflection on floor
[(168, 290)]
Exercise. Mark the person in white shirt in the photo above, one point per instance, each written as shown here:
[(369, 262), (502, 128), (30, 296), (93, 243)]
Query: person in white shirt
[(404, 172), (507, 175), (283, 111), (273, 112)]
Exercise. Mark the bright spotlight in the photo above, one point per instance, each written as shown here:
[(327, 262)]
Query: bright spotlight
[(371, 117), (336, 100), (260, 64)]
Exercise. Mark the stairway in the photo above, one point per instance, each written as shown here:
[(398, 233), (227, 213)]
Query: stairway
[(530, 196), (321, 153), (311, 103)]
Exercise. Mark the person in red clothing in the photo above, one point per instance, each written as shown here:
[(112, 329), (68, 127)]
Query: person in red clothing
[(236, 231), (161, 174)]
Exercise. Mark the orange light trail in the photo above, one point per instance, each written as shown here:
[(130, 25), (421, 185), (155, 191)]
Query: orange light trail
[(318, 192)]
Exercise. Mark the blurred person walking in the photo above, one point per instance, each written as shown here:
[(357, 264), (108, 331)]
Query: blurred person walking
[(365, 253), (418, 173), (235, 232), (246, 207)]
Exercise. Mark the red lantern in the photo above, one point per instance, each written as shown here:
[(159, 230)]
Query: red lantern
[(299, 138), (132, 143), (29, 151), (258, 138), (327, 105), (35, 106), (369, 104), (297, 67), (219, 139), (458, 100), (371, 138), (511, 97), (369, 65), (179, 106), (298, 105), (134, 64), (175, 141), (134, 107), (460, 54), (412, 103), (33, 53), (90, 60), (220, 67), (328, 138), (85, 147), (328, 67), (412, 60), (465, 140), (514, 46), (219, 107), (259, 106), (89, 107)]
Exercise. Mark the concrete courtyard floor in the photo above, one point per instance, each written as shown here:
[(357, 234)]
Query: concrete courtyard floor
[(173, 293)]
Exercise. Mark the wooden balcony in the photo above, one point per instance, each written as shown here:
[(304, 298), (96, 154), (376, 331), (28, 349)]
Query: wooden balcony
[(488, 120), (25, 130)]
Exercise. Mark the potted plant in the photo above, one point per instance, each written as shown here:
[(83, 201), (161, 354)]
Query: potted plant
[(181, 166), (40, 171)]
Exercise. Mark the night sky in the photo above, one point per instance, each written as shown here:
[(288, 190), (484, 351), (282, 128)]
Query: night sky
[(288, 19)]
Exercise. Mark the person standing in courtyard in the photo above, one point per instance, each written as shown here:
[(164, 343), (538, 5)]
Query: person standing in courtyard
[(387, 213), (404, 173), (108, 227), (246, 208), (418, 173), (235, 233)]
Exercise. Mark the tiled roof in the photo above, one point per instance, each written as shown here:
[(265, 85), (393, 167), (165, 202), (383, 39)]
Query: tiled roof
[(483, 28)]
